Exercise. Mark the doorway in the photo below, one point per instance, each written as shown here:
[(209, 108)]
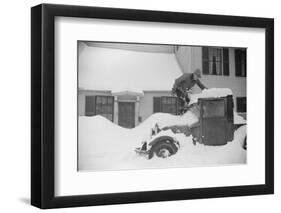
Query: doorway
[(126, 114)]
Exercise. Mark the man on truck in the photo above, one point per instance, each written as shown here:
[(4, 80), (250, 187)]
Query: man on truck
[(184, 84)]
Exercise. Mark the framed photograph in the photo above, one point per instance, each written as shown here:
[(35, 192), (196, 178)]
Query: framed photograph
[(140, 106)]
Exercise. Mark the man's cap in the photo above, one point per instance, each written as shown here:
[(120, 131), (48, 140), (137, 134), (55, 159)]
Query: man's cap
[(197, 72)]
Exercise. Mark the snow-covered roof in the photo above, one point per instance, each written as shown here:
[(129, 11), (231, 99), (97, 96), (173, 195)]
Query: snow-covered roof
[(127, 91), (109, 69)]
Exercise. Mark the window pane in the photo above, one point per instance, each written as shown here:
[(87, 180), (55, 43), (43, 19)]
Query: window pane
[(169, 105), (215, 61), (104, 106), (213, 109)]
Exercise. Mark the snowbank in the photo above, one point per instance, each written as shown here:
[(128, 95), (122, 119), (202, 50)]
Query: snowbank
[(210, 93), (104, 145), (163, 133)]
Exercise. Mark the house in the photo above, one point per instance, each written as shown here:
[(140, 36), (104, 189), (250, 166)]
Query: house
[(126, 83)]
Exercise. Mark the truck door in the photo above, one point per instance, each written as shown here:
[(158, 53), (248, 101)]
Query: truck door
[(213, 121)]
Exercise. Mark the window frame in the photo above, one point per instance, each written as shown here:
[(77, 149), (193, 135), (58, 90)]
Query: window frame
[(170, 102), (107, 104), (224, 61), (159, 104)]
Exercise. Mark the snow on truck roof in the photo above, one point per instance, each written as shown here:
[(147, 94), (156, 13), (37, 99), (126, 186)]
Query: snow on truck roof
[(109, 69), (210, 93)]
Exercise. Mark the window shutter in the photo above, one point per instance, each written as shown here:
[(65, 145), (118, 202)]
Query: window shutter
[(156, 104), (238, 70), (225, 61), (205, 60), (90, 106)]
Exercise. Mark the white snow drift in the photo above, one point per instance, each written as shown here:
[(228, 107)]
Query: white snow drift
[(104, 145)]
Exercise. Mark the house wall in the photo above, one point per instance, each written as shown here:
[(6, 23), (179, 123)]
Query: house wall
[(190, 59), (145, 102)]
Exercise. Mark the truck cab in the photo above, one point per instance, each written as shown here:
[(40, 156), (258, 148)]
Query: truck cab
[(215, 126)]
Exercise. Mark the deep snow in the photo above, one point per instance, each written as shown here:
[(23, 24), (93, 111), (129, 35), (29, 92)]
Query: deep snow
[(104, 145)]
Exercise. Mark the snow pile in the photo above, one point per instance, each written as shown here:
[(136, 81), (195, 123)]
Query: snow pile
[(210, 93), (163, 133), (104, 145), (166, 119), (240, 134)]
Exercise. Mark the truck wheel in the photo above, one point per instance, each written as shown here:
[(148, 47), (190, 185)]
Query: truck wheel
[(164, 149)]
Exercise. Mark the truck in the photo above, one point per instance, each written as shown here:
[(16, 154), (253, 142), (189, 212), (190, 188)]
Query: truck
[(215, 127)]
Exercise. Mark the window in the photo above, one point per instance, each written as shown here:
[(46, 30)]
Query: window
[(215, 61), (99, 105), (165, 104), (241, 104), (214, 108), (240, 62), (104, 106), (169, 105)]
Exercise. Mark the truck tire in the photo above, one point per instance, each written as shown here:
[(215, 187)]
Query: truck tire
[(163, 149)]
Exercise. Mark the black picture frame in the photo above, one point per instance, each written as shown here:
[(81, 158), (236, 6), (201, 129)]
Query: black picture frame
[(43, 102)]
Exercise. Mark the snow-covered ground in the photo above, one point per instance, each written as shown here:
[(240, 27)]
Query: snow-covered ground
[(104, 145)]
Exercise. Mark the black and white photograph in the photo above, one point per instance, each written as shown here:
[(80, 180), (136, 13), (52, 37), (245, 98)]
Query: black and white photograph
[(155, 106)]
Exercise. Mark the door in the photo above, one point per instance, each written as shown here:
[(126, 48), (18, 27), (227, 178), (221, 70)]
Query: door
[(213, 121), (126, 114)]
